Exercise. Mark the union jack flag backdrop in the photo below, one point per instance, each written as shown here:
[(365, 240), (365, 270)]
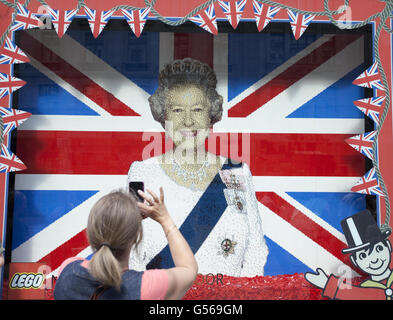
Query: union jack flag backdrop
[(89, 110)]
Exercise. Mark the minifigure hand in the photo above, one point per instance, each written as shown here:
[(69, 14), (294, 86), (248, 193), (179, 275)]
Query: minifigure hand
[(318, 279)]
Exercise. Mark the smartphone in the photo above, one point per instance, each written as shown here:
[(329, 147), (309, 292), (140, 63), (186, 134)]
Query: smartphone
[(134, 186)]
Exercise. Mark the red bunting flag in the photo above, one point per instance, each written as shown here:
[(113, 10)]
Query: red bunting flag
[(136, 19), (9, 162), (363, 143), (206, 19), (368, 184), (97, 20), (10, 53), (299, 22), (371, 107), (61, 19), (12, 118), (263, 14), (24, 19), (370, 78), (233, 10)]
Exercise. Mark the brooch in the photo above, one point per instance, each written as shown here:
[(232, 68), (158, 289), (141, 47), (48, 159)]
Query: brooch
[(228, 247), (236, 199)]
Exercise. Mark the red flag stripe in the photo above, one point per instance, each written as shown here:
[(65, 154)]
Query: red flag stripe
[(70, 152), (70, 248), (304, 224), (291, 75), (74, 77)]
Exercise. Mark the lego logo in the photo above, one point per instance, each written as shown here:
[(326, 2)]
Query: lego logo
[(26, 281)]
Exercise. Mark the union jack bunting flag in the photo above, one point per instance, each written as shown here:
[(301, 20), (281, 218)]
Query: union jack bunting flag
[(363, 143), (24, 19), (9, 162), (263, 14), (233, 10), (370, 78), (299, 22), (10, 53), (12, 118), (86, 129), (371, 107), (369, 184), (206, 19), (61, 19), (9, 84), (136, 19), (97, 19)]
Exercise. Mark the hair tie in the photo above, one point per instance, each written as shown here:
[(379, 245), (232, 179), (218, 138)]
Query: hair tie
[(104, 244)]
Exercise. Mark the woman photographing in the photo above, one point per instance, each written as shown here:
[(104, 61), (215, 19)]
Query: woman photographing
[(113, 229)]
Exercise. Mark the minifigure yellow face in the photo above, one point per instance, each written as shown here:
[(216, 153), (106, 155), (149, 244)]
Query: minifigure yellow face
[(187, 116)]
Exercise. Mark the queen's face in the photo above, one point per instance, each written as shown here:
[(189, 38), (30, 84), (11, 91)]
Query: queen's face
[(187, 116)]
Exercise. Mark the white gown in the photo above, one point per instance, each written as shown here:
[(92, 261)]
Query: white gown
[(236, 244)]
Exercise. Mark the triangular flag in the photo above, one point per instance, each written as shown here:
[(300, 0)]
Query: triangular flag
[(206, 19), (9, 162), (61, 19), (370, 78), (263, 14), (368, 184), (371, 107), (97, 20), (299, 22), (363, 143), (24, 19), (136, 19), (10, 53), (12, 118), (9, 84), (233, 10)]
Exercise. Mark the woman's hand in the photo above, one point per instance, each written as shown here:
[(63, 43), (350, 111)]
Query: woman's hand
[(153, 206)]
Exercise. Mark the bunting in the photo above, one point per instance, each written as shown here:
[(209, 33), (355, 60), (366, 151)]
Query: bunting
[(263, 14), (370, 78), (61, 19), (206, 19), (368, 184), (9, 84), (97, 20), (136, 19), (299, 22), (371, 107), (9, 162), (24, 19), (12, 118), (363, 143), (10, 53), (233, 10)]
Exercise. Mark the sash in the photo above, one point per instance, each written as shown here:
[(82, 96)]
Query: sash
[(201, 220)]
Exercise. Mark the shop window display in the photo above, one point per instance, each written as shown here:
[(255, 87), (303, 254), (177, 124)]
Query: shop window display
[(283, 145)]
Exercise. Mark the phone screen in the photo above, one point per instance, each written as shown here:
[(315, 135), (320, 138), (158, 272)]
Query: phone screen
[(134, 186)]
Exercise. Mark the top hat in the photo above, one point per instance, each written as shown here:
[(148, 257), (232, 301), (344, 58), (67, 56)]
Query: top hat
[(361, 230)]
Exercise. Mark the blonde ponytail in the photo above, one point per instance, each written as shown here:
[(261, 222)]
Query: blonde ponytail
[(105, 268), (114, 226)]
